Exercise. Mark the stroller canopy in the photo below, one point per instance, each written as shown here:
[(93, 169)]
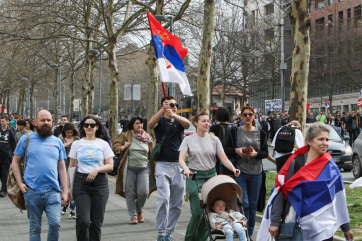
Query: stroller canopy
[(220, 186)]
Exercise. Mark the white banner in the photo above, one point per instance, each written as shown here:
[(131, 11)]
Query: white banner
[(273, 105)]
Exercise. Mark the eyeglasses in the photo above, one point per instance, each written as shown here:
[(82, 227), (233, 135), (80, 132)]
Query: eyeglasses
[(248, 114), (172, 105), (91, 125)]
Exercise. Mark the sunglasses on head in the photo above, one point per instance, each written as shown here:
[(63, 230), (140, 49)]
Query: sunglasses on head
[(91, 125), (248, 114), (172, 105)]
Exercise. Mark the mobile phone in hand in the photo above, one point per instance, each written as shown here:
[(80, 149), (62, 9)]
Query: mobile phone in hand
[(246, 150)]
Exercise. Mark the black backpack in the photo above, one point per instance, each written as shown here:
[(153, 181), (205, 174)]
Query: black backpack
[(224, 133), (284, 142)]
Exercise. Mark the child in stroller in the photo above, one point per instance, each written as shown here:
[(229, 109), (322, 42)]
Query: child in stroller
[(227, 221)]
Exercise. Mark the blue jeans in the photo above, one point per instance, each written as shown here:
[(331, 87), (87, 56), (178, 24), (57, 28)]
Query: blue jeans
[(339, 130), (37, 201), (250, 184), (229, 233)]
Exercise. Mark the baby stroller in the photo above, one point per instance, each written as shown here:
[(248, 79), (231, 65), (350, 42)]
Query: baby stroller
[(220, 186)]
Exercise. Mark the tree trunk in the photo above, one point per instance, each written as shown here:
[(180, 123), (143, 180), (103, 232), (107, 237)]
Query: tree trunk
[(203, 78), (55, 95), (20, 108), (32, 99), (8, 103), (300, 20), (91, 85), (114, 82), (85, 87), (153, 83), (71, 93), (3, 98)]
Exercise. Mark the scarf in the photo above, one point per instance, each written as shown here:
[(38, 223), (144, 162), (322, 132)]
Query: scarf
[(142, 136)]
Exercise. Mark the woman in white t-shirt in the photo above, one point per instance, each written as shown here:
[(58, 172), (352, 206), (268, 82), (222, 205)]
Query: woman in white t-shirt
[(93, 158), (202, 149)]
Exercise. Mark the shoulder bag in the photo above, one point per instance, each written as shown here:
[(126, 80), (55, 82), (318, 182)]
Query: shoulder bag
[(290, 232), (157, 149), (14, 192)]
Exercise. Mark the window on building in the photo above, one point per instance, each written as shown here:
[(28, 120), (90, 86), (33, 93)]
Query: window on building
[(269, 10), (340, 19), (330, 2), (319, 24), (330, 24), (269, 35), (357, 16), (348, 18), (319, 4)]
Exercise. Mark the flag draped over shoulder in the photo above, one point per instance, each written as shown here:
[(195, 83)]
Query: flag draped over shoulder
[(317, 195), (169, 54)]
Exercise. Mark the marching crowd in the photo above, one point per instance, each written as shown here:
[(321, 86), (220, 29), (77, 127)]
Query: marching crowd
[(67, 167)]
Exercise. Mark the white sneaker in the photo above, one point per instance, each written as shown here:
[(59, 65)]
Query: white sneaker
[(72, 215)]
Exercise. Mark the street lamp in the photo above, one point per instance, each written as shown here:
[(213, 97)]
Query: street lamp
[(283, 65), (58, 66), (94, 51), (168, 19), (28, 105)]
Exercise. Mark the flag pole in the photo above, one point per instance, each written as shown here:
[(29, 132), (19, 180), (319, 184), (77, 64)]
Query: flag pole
[(164, 92)]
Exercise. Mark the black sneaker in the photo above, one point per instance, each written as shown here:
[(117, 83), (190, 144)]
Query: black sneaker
[(72, 215), (64, 209), (3, 194)]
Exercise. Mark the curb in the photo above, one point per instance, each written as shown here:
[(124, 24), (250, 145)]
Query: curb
[(259, 217)]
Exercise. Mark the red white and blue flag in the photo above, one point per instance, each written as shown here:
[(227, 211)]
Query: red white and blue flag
[(169, 54), (317, 195), (328, 104), (359, 104)]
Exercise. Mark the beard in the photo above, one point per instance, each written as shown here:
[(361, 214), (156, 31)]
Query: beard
[(44, 131)]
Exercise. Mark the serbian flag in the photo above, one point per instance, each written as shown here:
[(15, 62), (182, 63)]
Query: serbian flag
[(169, 54), (316, 193), (328, 104), (359, 104)]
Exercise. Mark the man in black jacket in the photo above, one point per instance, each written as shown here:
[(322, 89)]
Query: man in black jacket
[(7, 147), (59, 129)]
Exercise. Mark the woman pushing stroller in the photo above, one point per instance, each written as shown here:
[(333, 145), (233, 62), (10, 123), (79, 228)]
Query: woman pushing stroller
[(202, 149)]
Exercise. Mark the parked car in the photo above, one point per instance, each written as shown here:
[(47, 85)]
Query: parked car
[(357, 157), (189, 131), (339, 149)]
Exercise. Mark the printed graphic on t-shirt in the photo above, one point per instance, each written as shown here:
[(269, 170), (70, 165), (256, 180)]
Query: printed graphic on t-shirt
[(90, 155), (4, 138)]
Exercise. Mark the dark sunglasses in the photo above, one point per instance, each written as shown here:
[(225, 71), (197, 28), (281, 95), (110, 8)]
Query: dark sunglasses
[(91, 125), (172, 105), (248, 114)]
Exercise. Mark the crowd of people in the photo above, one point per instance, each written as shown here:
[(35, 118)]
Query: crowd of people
[(165, 164)]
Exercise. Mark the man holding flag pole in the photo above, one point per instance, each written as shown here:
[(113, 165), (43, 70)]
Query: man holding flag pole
[(169, 128)]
